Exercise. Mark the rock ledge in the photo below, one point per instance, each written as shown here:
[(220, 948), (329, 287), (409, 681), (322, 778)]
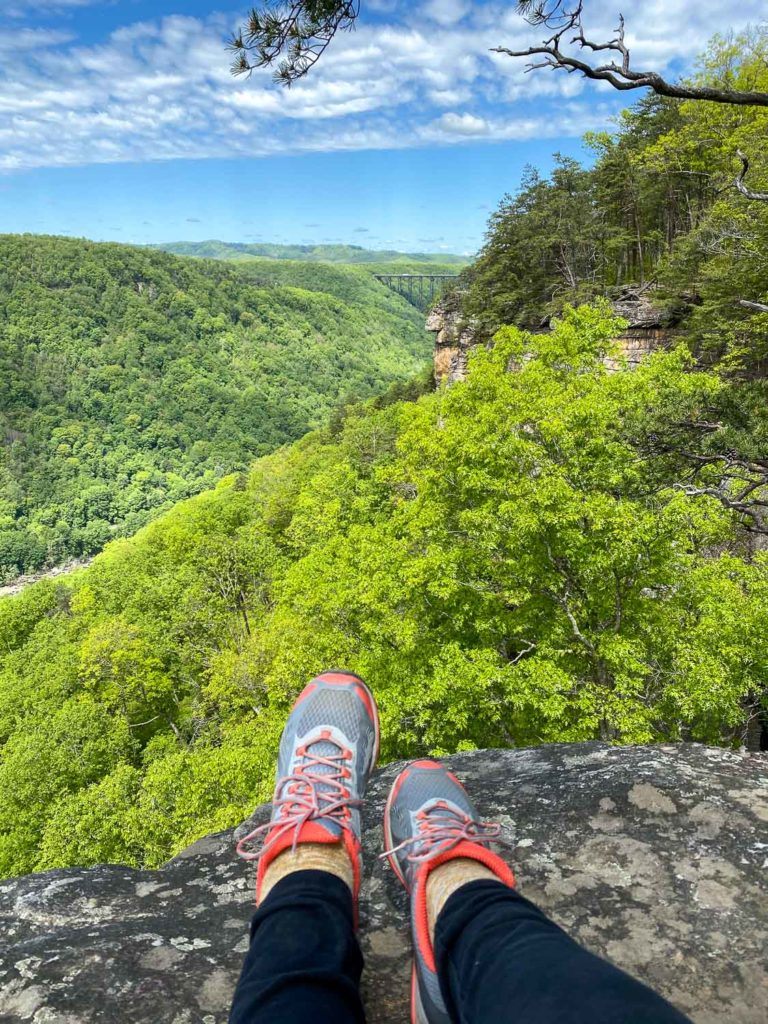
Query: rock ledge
[(652, 856)]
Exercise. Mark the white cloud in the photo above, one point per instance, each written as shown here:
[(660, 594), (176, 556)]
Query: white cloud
[(446, 12), (571, 119), (461, 124), (24, 40), (20, 8), (449, 97), (161, 89)]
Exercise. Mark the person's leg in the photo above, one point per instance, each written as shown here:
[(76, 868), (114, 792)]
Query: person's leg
[(304, 963), (482, 953), (499, 958)]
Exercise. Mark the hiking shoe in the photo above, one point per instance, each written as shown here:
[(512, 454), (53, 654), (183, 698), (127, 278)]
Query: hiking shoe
[(428, 820), (328, 749)]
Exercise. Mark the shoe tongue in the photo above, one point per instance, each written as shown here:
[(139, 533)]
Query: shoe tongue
[(321, 748), (444, 821)]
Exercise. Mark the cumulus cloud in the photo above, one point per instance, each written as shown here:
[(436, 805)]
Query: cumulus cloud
[(446, 12), (462, 124), (571, 119), (160, 89)]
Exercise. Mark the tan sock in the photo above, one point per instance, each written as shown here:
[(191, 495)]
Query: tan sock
[(444, 880), (331, 857)]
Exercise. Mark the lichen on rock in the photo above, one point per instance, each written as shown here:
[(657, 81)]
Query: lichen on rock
[(652, 856)]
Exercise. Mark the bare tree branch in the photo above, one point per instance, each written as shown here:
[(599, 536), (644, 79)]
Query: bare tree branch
[(555, 15), (754, 522), (759, 306), (739, 483), (761, 197)]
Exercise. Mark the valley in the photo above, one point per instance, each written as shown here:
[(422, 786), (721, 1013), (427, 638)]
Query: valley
[(130, 379)]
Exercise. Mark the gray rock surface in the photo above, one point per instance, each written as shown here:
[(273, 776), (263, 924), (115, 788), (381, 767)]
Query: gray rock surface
[(652, 856)]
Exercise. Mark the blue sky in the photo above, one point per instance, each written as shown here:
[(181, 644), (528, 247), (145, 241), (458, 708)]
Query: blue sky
[(121, 120)]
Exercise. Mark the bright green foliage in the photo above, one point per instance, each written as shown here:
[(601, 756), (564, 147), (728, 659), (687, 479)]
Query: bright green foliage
[(130, 379), (498, 560), (660, 211)]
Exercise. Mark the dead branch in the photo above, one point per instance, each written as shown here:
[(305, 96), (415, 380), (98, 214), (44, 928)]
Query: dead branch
[(759, 306), (761, 197), (754, 521), (618, 71)]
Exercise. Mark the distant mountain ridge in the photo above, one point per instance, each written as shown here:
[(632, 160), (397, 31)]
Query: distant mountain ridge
[(214, 249)]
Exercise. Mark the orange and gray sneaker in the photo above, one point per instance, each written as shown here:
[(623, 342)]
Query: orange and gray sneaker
[(428, 820), (328, 749)]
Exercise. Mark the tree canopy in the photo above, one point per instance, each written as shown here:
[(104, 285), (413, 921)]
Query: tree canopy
[(506, 543), (130, 379), (659, 207)]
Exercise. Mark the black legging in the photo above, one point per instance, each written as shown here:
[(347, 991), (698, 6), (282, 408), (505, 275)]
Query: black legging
[(500, 959)]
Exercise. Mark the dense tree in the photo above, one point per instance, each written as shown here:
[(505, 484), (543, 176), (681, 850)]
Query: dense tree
[(507, 543), (130, 379), (658, 207), (658, 213)]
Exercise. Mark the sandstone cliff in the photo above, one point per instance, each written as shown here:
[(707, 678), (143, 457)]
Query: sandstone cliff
[(652, 856), (455, 336)]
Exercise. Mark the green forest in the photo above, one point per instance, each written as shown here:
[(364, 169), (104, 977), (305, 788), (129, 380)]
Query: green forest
[(499, 560), (546, 551), (658, 209), (130, 379)]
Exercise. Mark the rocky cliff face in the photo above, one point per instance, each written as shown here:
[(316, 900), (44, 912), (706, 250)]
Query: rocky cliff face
[(454, 339), (652, 856), (455, 336), (647, 329)]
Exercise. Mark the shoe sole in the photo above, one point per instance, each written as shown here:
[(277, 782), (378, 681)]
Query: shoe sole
[(418, 1014), (376, 723), (388, 832)]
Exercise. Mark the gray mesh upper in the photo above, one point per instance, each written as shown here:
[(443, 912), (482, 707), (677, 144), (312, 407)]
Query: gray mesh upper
[(421, 788), (339, 709)]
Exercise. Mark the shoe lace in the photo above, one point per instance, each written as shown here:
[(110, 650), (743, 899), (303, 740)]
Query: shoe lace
[(441, 828), (316, 790)]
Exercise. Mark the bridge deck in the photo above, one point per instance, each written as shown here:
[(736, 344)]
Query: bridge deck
[(408, 285)]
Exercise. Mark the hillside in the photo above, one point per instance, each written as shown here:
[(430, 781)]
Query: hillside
[(503, 562), (311, 253), (130, 379), (359, 285), (336, 279)]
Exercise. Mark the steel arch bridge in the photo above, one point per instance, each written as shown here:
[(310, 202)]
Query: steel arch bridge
[(418, 289)]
